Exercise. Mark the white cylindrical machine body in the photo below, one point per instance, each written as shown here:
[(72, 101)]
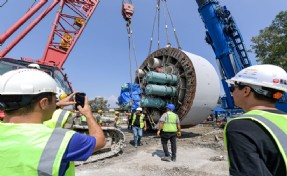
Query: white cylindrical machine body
[(207, 91)]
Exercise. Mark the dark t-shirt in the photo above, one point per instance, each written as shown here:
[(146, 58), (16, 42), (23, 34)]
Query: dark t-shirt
[(137, 121), (252, 151)]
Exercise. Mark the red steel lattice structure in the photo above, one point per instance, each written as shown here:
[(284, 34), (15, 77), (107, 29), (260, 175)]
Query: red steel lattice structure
[(71, 18)]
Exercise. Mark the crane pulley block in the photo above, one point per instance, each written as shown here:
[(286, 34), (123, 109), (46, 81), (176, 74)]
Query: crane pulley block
[(127, 10), (66, 41), (79, 22)]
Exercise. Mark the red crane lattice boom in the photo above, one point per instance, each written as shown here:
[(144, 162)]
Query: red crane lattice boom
[(71, 18), (70, 21)]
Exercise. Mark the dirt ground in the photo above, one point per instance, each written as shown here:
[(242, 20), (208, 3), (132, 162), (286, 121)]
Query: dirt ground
[(200, 152)]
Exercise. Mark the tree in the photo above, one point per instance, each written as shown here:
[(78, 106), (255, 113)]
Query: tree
[(270, 46), (99, 103)]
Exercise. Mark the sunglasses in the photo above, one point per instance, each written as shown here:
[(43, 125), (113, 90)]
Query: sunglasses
[(237, 84)]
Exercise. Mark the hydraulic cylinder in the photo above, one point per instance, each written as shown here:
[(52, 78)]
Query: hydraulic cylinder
[(161, 78), (160, 90)]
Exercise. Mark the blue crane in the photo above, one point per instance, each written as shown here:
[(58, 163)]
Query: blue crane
[(227, 43)]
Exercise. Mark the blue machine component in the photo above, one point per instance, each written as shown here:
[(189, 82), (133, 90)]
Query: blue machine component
[(130, 96), (153, 102), (221, 34), (226, 41), (160, 90), (161, 78)]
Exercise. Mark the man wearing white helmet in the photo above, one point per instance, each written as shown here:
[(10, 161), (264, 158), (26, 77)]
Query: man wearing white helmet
[(257, 141), (27, 147), (138, 124)]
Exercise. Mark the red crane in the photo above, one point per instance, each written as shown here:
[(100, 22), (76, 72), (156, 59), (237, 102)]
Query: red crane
[(69, 23), (71, 18)]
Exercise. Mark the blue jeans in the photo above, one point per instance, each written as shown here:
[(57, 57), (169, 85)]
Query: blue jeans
[(138, 133)]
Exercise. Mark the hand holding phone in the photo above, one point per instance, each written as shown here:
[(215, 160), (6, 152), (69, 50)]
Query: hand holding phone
[(80, 99)]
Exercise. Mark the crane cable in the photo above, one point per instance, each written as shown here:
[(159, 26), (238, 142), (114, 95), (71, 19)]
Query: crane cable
[(2, 5), (166, 28), (157, 17), (174, 31), (154, 20), (127, 13), (31, 6)]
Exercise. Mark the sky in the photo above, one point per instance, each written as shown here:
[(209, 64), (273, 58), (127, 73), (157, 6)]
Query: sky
[(99, 63)]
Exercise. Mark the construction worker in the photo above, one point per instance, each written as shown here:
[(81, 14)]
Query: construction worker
[(99, 117), (1, 116), (84, 120), (256, 141), (169, 128), (138, 124), (117, 120), (61, 116), (129, 120), (27, 97)]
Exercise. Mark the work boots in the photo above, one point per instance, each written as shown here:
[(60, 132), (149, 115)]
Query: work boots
[(166, 158)]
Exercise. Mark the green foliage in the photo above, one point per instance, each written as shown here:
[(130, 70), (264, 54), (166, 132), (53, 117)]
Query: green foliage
[(270, 46), (99, 103)]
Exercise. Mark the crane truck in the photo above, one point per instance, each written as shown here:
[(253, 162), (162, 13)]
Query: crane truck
[(71, 18), (224, 36)]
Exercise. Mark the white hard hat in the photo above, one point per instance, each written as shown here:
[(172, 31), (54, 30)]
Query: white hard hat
[(139, 109), (37, 66), (269, 76), (26, 82)]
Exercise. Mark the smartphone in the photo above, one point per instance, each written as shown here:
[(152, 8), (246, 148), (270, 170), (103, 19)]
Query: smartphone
[(80, 99)]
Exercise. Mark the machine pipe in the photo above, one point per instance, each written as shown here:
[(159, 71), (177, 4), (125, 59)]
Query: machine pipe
[(153, 102), (154, 62), (140, 73), (160, 90), (161, 78)]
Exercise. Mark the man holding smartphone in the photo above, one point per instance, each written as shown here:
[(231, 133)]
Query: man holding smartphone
[(28, 97)]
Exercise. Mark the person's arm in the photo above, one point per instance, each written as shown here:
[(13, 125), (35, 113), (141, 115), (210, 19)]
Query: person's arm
[(178, 126), (161, 122), (94, 128), (69, 100), (243, 153), (159, 128), (145, 126)]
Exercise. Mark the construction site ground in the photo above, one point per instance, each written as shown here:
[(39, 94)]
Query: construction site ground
[(200, 152)]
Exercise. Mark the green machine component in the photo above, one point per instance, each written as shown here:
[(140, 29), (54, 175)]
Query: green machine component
[(153, 102), (160, 90), (161, 78)]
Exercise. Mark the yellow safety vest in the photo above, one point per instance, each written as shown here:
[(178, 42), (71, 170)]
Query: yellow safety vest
[(83, 119), (275, 124), (59, 118), (118, 121), (141, 120), (101, 119), (32, 149), (170, 124)]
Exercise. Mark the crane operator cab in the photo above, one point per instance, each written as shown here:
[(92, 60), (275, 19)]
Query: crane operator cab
[(7, 64)]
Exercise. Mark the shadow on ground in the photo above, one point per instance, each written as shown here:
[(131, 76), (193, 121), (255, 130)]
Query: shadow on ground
[(158, 153)]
